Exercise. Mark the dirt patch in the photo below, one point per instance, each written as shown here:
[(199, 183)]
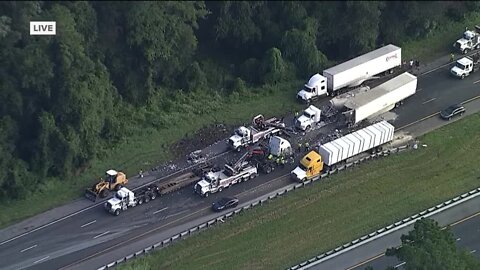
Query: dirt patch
[(204, 137)]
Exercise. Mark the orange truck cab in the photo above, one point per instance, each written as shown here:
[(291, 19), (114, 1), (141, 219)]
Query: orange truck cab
[(311, 166)]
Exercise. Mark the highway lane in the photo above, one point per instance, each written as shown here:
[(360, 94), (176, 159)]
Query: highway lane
[(467, 235), (61, 239)]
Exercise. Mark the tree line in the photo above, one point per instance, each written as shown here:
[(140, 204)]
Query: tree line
[(115, 66)]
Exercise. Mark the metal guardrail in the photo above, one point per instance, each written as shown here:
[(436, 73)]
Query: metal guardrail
[(386, 230), (233, 213)]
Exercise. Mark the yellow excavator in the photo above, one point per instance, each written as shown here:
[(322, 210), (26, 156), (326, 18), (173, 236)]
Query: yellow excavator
[(113, 181)]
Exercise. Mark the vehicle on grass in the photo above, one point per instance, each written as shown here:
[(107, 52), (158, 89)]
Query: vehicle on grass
[(224, 203), (330, 154), (113, 181), (452, 111), (351, 73)]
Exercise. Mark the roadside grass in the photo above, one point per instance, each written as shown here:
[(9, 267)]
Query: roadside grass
[(307, 222), (439, 42), (136, 152), (150, 146)]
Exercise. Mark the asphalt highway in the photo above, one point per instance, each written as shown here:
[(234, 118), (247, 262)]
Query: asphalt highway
[(92, 237)]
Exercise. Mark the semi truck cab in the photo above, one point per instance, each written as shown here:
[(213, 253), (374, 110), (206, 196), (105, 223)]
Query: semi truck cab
[(241, 137), (315, 87), (310, 165), (309, 118), (463, 67), (122, 199)]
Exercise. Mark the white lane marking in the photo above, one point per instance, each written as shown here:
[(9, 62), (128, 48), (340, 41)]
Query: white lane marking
[(398, 265), (23, 250), (458, 239), (89, 223), (163, 209), (42, 259), (476, 82), (473, 251), (102, 234), (432, 99), (101, 203)]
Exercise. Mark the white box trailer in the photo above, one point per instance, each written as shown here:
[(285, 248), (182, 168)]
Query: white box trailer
[(381, 98), (356, 143), (359, 69)]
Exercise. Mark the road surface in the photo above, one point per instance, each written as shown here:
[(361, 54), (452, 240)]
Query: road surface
[(91, 237)]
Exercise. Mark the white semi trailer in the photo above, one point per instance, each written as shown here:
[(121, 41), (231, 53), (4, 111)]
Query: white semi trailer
[(383, 98), (355, 143), (332, 153), (352, 73)]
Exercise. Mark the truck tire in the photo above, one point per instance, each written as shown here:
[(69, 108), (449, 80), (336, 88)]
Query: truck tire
[(220, 189), (116, 212), (308, 128), (465, 51), (206, 194), (253, 175), (104, 193), (140, 202), (118, 187), (147, 199), (154, 196), (463, 76), (268, 170)]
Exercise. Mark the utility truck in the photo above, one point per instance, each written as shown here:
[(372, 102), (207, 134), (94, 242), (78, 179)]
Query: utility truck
[(466, 66), (367, 103), (309, 118), (125, 198), (266, 158), (352, 73), (259, 130), (332, 153), (470, 41), (216, 180)]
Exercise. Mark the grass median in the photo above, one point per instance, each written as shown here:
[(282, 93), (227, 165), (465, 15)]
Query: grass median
[(136, 152), (307, 222)]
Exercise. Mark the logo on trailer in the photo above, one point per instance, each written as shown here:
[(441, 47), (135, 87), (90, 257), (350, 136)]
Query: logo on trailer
[(43, 28), (391, 57)]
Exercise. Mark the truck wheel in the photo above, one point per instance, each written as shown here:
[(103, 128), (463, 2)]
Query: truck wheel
[(154, 196), (103, 193), (463, 76), (465, 51), (252, 176), (238, 149), (118, 187), (117, 212), (268, 170), (308, 127), (140, 202), (206, 194), (220, 189), (147, 199)]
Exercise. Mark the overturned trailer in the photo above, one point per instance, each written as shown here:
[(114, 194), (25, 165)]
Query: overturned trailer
[(383, 98)]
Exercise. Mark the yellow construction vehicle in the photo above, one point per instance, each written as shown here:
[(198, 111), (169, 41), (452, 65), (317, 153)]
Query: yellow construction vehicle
[(113, 181)]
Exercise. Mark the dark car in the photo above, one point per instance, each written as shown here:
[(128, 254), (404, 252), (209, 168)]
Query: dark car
[(224, 203), (452, 111)]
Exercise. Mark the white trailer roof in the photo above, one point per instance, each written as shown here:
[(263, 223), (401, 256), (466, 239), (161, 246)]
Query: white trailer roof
[(363, 98), (361, 59)]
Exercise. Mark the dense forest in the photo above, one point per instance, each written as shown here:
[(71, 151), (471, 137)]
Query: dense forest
[(117, 66)]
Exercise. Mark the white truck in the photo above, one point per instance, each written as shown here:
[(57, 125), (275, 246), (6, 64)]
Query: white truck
[(266, 158), (125, 198), (470, 41), (216, 180), (466, 66), (332, 153), (372, 102), (309, 118), (261, 129), (352, 73)]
